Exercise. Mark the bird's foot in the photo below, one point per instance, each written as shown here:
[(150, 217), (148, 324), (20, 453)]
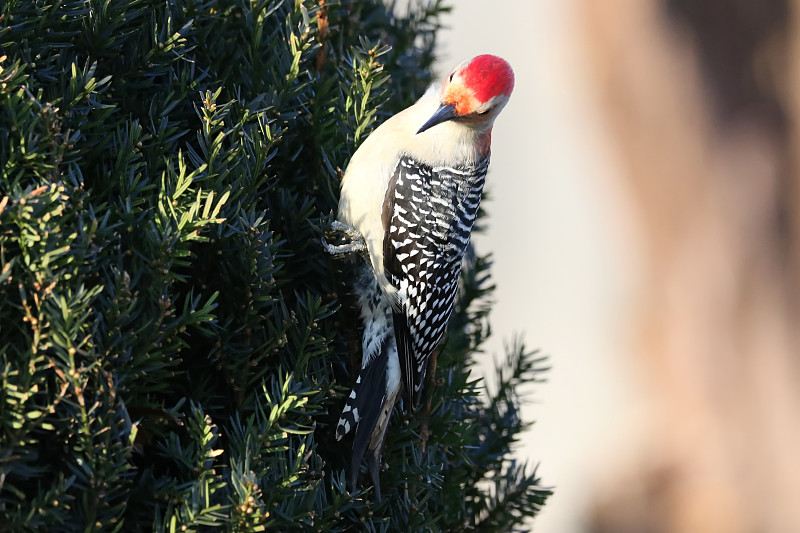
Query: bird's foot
[(356, 244)]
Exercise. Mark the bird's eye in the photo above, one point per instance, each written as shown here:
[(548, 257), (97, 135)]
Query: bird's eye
[(452, 75)]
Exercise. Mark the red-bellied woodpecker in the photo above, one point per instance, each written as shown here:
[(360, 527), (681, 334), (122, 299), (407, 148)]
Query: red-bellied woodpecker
[(409, 199)]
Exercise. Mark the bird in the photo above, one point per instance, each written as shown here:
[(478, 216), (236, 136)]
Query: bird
[(409, 199)]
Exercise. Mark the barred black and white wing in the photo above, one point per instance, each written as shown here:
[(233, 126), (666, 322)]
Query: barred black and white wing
[(429, 213)]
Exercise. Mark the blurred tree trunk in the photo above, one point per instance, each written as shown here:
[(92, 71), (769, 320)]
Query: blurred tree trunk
[(702, 98)]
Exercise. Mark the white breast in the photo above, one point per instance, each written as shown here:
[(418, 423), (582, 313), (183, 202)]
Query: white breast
[(371, 168)]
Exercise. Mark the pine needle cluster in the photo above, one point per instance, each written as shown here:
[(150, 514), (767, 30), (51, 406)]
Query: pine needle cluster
[(175, 345)]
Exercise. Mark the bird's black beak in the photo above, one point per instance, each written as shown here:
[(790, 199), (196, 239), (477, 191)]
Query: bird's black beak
[(444, 113)]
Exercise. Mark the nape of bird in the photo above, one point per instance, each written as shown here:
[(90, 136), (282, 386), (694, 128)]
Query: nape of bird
[(409, 199)]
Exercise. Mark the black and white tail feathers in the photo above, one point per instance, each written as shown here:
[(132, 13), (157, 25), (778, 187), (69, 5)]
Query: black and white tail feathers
[(370, 404)]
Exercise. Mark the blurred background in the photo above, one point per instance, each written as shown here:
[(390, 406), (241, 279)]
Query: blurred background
[(645, 230)]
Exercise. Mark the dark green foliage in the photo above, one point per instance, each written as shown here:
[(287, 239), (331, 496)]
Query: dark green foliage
[(175, 345)]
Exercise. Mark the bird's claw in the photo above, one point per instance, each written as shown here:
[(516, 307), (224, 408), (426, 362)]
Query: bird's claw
[(356, 244)]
